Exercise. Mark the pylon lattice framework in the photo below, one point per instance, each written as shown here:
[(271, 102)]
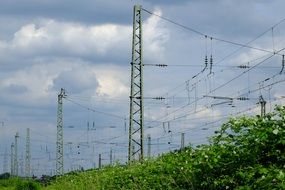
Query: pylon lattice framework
[(136, 135), (59, 141)]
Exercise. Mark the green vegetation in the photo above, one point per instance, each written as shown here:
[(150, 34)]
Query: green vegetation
[(18, 184), (246, 153)]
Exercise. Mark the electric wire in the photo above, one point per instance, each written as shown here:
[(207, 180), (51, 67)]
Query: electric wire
[(216, 38)]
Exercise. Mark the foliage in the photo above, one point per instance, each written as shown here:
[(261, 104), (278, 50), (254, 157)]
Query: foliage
[(5, 176), (27, 185), (18, 184), (246, 153)]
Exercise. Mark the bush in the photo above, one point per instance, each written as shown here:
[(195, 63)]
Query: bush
[(27, 185), (246, 153)]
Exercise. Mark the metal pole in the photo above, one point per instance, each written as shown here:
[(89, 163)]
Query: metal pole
[(136, 95), (182, 140), (5, 161), (16, 164), (111, 156), (148, 146), (28, 155), (59, 142), (12, 160), (99, 164)]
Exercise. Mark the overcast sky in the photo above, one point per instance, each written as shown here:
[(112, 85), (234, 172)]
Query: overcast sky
[(85, 47)]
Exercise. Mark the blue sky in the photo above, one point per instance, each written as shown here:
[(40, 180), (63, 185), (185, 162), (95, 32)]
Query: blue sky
[(85, 47)]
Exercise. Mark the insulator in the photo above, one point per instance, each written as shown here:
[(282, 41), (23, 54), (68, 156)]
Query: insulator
[(162, 65), (243, 66), (206, 60), (243, 98), (283, 65)]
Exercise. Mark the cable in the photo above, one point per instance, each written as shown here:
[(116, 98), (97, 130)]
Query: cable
[(215, 38), (91, 109)]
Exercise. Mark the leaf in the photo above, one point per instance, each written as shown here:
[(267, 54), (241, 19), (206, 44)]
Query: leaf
[(275, 131)]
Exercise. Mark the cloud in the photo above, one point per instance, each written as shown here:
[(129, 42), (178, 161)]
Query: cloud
[(46, 39), (76, 79)]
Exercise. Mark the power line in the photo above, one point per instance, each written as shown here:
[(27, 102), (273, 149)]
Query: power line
[(224, 84), (91, 109), (215, 38)]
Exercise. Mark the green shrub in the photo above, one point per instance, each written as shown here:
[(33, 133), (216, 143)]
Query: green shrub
[(27, 185), (246, 153)]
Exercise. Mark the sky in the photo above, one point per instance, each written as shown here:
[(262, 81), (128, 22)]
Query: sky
[(85, 48)]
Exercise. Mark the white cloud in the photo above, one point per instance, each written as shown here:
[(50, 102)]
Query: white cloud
[(155, 36), (52, 38), (112, 81)]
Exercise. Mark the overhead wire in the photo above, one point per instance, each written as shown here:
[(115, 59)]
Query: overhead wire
[(216, 38), (94, 110)]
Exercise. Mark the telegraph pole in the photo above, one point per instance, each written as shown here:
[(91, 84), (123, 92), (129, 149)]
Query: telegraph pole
[(148, 146), (59, 141), (100, 160), (12, 160), (136, 95), (16, 164), (111, 156), (28, 155), (182, 140), (5, 161)]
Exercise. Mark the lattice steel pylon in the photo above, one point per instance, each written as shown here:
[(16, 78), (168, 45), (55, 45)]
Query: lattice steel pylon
[(59, 141), (136, 125), (28, 155)]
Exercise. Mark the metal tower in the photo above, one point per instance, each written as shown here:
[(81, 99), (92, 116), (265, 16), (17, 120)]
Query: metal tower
[(136, 131), (16, 163), (12, 160), (28, 155), (59, 141)]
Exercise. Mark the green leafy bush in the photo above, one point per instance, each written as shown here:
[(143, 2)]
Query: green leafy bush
[(27, 185), (246, 153)]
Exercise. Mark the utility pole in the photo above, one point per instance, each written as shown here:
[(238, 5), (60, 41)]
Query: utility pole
[(12, 160), (136, 96), (111, 156), (59, 141), (5, 161), (182, 140), (262, 103), (21, 164), (100, 159), (16, 164), (148, 146), (28, 155)]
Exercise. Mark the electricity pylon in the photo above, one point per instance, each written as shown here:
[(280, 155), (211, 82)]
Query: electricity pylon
[(59, 141), (136, 131), (28, 155)]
